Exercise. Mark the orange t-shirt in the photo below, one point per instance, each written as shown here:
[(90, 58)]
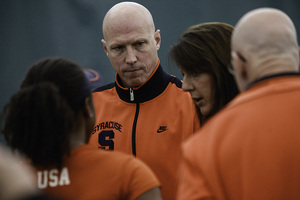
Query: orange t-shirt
[(89, 173), (249, 150)]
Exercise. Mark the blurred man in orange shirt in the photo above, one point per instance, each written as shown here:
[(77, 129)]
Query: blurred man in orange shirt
[(250, 150)]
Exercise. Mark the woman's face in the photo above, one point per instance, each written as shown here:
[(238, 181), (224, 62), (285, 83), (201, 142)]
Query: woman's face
[(200, 86)]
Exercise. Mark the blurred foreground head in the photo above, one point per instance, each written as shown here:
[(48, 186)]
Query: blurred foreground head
[(264, 42), (51, 110)]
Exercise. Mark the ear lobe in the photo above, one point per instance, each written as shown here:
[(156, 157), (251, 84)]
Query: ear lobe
[(88, 110), (239, 66), (299, 59), (157, 38), (104, 46), (234, 58)]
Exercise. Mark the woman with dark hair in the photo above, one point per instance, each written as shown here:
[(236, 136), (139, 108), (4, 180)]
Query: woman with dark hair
[(50, 119), (202, 53)]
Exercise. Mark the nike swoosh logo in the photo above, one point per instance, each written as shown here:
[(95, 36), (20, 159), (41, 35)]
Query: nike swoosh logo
[(160, 130)]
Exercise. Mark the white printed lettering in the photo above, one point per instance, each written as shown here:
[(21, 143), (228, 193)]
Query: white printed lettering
[(54, 179), (64, 177), (42, 184)]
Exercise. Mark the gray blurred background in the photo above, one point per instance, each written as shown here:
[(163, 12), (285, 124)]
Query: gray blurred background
[(36, 29)]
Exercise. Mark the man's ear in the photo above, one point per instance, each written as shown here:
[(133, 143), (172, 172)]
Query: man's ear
[(88, 109), (240, 72), (104, 46), (157, 38), (240, 68), (88, 115), (299, 60)]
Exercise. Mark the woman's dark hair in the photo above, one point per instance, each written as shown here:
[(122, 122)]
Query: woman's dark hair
[(205, 48), (40, 117)]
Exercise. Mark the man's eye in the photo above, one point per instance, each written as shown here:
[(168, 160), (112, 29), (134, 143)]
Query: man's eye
[(118, 48), (139, 44)]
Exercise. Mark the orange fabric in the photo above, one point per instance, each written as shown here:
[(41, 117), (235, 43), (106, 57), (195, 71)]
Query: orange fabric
[(250, 150), (163, 124), (92, 174)]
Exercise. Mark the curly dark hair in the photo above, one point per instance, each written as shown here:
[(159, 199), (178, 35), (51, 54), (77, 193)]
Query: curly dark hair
[(39, 118)]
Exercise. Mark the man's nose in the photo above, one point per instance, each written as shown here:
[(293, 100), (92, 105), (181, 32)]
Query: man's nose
[(131, 56)]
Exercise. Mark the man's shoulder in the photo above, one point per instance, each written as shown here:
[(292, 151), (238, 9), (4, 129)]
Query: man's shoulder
[(176, 81), (104, 87)]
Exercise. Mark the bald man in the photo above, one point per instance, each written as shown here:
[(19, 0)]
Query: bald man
[(250, 150), (144, 112)]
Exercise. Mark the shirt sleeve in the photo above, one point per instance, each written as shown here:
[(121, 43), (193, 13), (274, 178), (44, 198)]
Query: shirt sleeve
[(140, 180), (192, 184)]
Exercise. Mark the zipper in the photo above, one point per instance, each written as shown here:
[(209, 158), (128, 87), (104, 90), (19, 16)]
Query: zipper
[(134, 129), (131, 94)]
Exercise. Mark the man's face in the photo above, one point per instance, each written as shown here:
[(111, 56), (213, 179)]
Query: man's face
[(132, 51)]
